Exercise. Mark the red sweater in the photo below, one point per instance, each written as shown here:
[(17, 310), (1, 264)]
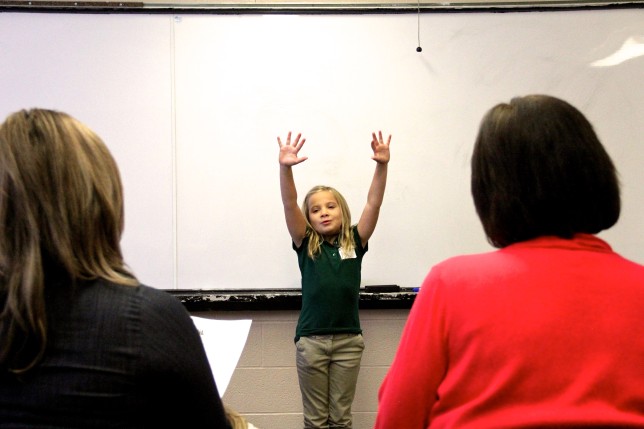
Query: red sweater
[(545, 333)]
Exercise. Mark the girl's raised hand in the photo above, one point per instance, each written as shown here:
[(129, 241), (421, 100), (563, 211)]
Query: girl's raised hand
[(380, 148), (289, 151)]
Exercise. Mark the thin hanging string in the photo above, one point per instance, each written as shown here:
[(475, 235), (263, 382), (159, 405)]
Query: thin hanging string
[(418, 49)]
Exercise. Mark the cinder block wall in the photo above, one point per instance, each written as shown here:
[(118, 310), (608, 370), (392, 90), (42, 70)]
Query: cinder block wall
[(264, 387)]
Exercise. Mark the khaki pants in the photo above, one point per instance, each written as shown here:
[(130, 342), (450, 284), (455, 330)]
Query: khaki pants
[(327, 368)]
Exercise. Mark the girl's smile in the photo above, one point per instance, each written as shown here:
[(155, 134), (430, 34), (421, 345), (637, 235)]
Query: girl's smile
[(325, 215)]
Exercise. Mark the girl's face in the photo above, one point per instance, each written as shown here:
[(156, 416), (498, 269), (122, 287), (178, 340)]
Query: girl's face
[(325, 215)]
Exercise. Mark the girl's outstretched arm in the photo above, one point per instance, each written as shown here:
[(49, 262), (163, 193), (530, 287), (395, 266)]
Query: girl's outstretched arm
[(369, 217), (295, 220)]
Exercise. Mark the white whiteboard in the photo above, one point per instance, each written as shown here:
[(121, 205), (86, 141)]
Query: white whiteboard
[(191, 106)]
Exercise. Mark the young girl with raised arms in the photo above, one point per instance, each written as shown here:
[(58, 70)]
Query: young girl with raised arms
[(328, 336)]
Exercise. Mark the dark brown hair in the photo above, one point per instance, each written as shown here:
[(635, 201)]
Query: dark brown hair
[(539, 169)]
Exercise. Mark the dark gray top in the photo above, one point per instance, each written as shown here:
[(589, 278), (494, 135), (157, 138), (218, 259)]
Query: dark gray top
[(118, 357)]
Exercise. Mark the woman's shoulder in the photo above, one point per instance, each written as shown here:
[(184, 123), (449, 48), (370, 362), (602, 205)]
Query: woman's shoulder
[(159, 300), (462, 268), (470, 260), (146, 298)]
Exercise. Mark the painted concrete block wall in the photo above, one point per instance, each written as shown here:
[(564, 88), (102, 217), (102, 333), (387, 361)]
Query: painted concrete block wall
[(264, 387)]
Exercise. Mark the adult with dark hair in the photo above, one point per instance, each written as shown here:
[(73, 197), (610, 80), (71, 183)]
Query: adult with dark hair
[(84, 345), (546, 330)]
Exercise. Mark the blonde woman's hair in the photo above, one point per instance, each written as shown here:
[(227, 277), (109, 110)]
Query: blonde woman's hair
[(61, 216), (345, 238)]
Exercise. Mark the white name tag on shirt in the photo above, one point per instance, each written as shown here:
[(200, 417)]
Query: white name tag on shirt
[(350, 255)]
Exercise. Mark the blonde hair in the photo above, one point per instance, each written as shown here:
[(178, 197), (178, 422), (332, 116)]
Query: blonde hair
[(61, 213), (345, 238), (236, 420)]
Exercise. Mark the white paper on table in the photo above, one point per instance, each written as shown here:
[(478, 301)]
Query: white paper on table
[(224, 342)]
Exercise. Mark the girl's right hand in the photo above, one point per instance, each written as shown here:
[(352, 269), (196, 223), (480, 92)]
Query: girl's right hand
[(288, 151)]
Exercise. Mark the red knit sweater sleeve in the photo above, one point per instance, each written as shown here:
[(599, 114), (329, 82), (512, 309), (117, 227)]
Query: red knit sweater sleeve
[(409, 390)]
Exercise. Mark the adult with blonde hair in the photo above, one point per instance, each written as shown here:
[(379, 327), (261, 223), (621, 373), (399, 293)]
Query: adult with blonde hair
[(546, 330), (84, 344)]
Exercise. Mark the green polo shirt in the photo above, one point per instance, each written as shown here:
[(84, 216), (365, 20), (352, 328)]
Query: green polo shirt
[(330, 290)]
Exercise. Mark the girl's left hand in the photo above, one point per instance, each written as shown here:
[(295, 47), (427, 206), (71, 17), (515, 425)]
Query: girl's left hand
[(380, 148)]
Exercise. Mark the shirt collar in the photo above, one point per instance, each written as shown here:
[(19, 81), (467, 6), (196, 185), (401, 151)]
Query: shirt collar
[(577, 242)]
